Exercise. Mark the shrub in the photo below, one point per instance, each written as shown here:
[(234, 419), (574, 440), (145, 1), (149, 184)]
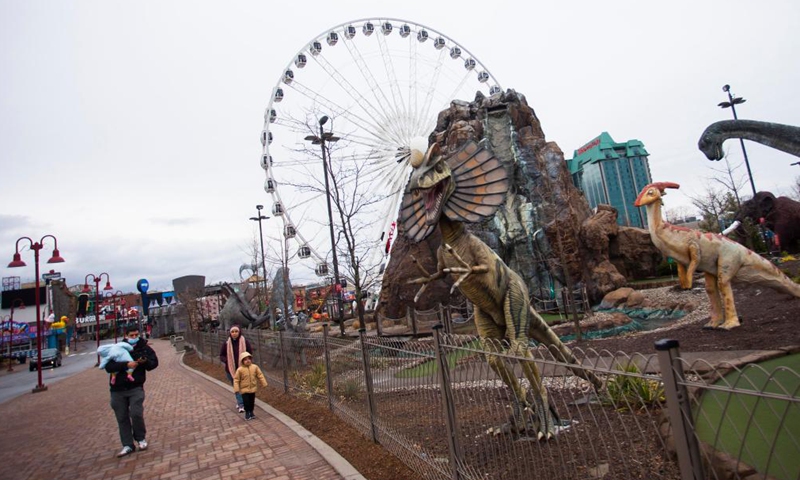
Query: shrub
[(628, 391)]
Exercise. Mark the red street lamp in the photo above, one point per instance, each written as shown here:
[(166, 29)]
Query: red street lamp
[(17, 262), (113, 297), (11, 330), (96, 279)]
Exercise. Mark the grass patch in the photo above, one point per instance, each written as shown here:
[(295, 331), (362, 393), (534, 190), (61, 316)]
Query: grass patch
[(431, 367), (768, 442)]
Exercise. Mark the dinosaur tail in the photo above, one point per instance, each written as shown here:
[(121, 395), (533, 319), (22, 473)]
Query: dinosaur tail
[(763, 272), (542, 333)]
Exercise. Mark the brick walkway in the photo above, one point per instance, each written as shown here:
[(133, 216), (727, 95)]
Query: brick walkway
[(69, 432)]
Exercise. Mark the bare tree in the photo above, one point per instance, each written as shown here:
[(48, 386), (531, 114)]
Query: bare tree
[(729, 179), (354, 208), (717, 207), (678, 214), (795, 193)]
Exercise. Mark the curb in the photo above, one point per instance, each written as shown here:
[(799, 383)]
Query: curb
[(339, 463)]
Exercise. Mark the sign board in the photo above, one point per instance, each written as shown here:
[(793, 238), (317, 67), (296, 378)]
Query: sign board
[(142, 285), (51, 276)]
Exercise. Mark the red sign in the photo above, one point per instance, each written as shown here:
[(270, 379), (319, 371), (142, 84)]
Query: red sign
[(589, 145)]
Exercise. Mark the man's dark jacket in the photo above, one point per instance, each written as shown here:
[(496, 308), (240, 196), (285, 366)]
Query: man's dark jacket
[(140, 350)]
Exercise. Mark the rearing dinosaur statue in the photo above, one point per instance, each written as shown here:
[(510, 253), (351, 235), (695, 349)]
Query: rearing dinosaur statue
[(785, 138), (469, 186), (721, 259)]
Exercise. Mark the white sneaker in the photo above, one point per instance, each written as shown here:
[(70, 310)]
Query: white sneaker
[(241, 409), (143, 444), (126, 450)]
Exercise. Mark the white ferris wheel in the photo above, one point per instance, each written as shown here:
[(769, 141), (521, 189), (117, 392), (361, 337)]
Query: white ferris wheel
[(374, 85)]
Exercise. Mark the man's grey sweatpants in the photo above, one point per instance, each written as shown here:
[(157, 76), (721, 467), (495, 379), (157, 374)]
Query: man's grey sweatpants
[(128, 406)]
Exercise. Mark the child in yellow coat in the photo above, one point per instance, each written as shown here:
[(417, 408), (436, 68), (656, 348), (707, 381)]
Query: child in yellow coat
[(246, 381)]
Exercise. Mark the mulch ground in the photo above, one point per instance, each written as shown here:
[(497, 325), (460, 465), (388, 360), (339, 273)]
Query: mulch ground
[(769, 320)]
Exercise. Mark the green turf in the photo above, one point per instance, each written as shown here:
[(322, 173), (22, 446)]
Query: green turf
[(430, 367), (764, 443)]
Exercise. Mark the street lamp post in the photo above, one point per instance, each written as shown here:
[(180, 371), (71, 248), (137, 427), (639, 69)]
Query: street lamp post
[(17, 262), (96, 279), (114, 300), (258, 219), (732, 102), (11, 330), (321, 140)]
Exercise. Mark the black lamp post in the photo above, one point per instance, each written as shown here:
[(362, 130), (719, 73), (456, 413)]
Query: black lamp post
[(17, 262), (96, 279), (258, 219), (321, 140), (732, 102)]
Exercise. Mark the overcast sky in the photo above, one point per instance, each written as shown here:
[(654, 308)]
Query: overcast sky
[(130, 130)]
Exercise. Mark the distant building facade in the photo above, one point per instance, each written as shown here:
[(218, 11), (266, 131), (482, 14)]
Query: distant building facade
[(612, 173)]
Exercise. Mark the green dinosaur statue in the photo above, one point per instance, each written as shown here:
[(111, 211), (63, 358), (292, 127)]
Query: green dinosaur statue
[(469, 186)]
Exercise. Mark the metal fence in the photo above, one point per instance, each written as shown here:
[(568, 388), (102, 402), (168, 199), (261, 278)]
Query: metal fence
[(438, 405)]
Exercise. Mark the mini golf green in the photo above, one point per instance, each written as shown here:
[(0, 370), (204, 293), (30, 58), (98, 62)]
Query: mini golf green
[(768, 442)]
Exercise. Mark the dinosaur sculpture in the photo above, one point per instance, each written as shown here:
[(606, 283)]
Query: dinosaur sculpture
[(721, 259), (785, 138), (469, 186)]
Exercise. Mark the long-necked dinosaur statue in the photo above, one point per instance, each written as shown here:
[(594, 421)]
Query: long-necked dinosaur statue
[(469, 186), (721, 259), (785, 138)]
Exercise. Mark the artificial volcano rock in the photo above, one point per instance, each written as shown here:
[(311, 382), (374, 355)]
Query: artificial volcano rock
[(541, 231)]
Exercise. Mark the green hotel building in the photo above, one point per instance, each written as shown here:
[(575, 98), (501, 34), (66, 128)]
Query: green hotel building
[(613, 174)]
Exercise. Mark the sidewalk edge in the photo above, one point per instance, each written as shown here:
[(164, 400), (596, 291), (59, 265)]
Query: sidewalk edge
[(339, 463)]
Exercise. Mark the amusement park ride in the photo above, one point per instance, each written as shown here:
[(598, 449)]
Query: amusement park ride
[(381, 82)]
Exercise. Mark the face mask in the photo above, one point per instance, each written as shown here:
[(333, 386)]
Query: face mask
[(133, 341)]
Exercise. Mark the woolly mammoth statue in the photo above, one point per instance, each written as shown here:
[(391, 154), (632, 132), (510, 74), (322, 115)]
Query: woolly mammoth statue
[(781, 215), (785, 138)]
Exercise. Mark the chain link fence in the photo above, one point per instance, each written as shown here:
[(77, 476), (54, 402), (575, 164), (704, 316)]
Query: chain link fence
[(439, 404)]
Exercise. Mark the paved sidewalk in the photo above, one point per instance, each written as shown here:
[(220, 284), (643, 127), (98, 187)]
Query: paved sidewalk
[(69, 432)]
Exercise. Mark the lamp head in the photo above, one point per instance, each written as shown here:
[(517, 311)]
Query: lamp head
[(108, 285), (259, 207), (726, 88), (56, 258), (85, 288), (17, 261), (323, 120)]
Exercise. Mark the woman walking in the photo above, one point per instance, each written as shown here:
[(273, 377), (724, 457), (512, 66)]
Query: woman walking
[(229, 354)]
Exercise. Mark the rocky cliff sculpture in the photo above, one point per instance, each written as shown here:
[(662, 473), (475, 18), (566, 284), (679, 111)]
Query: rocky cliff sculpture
[(721, 259), (785, 138), (468, 187)]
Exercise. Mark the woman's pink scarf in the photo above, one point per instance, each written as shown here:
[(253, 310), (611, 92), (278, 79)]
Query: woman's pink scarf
[(242, 348)]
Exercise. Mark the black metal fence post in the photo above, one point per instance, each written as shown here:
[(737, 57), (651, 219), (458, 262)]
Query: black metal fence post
[(448, 404), (368, 381), (328, 379), (282, 353), (680, 410), (412, 315)]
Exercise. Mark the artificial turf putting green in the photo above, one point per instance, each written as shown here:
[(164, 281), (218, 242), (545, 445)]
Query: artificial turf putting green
[(762, 432)]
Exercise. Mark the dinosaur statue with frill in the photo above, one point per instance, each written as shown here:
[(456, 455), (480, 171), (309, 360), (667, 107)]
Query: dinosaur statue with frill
[(468, 186)]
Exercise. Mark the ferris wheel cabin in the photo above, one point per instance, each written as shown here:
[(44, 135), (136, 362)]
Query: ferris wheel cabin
[(321, 270), (304, 251)]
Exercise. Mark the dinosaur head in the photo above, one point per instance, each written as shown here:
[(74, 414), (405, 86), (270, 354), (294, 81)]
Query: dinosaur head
[(467, 186), (653, 192), (710, 142), (432, 182)]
